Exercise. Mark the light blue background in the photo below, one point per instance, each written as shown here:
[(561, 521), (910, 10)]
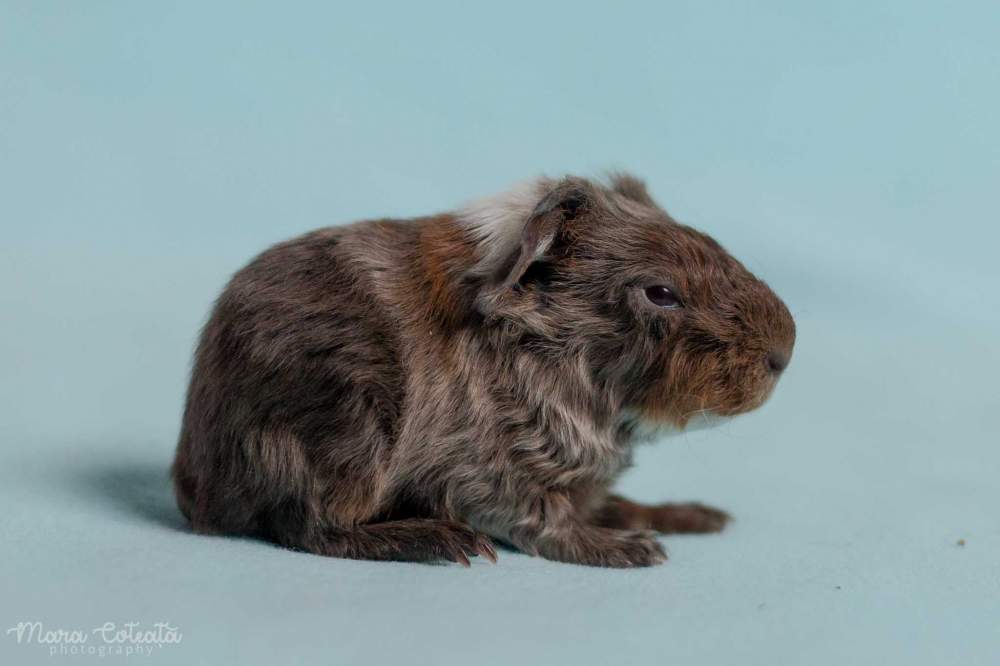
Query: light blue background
[(849, 152)]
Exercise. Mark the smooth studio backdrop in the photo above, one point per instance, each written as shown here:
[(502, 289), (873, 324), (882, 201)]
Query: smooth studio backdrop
[(848, 152)]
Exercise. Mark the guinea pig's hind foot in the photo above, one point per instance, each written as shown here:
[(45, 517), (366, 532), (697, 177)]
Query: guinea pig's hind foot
[(411, 540), (689, 518)]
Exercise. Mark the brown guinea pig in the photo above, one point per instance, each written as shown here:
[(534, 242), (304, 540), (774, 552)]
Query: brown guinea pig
[(410, 389)]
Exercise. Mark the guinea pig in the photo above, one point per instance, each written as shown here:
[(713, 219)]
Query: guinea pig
[(416, 389)]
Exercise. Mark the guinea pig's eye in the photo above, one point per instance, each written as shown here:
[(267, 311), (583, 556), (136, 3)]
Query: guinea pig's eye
[(661, 296)]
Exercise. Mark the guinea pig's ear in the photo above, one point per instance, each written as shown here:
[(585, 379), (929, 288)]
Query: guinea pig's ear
[(543, 237), (632, 188), (541, 233)]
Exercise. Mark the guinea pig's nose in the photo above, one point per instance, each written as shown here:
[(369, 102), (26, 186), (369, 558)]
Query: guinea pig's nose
[(776, 361)]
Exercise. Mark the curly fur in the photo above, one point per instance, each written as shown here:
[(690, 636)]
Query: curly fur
[(404, 390)]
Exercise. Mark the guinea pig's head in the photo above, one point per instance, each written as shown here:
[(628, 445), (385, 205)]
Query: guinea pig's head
[(664, 320)]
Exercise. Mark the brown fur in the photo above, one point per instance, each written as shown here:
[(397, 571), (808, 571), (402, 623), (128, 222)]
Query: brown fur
[(392, 390)]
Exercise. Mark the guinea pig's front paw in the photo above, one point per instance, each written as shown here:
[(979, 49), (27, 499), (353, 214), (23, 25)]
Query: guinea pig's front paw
[(689, 518), (633, 549), (602, 547), (455, 542)]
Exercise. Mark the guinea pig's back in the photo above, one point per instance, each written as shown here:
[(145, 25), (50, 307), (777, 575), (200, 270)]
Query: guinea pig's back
[(296, 379)]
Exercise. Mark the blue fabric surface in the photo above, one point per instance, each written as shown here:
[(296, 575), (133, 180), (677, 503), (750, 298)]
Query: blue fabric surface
[(848, 152)]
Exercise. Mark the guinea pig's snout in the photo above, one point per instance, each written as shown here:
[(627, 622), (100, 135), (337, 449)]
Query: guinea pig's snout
[(776, 361), (779, 340)]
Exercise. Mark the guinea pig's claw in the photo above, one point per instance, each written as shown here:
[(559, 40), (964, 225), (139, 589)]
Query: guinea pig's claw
[(462, 559), (486, 549)]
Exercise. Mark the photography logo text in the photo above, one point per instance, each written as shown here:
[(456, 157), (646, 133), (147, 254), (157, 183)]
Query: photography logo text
[(108, 639)]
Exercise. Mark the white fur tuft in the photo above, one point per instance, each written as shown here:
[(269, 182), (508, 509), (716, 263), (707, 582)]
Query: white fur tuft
[(496, 221)]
